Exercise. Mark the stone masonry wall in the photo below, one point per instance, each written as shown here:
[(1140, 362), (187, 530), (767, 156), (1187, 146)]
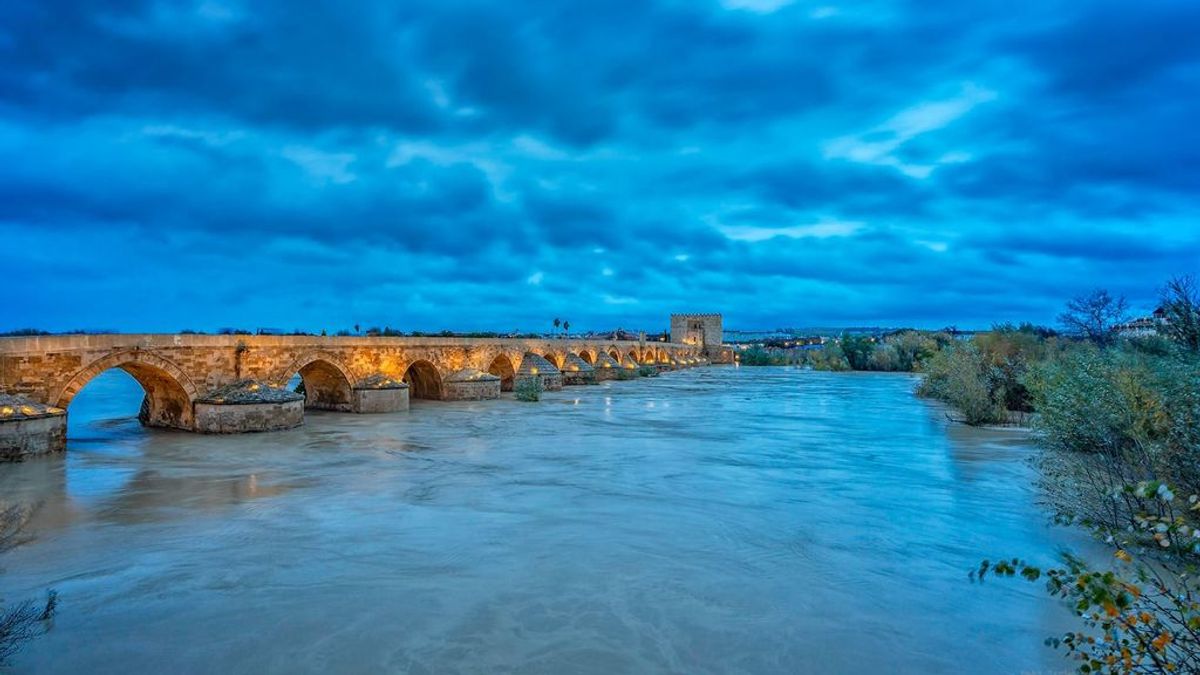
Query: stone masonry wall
[(221, 418)]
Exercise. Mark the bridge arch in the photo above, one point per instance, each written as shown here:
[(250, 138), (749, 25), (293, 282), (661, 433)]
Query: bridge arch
[(170, 393), (424, 380), (555, 358), (588, 356), (633, 357), (328, 383), (502, 367)]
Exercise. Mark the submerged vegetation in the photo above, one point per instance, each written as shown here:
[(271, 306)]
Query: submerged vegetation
[(25, 620)]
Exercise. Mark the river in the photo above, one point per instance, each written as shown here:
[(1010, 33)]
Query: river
[(716, 520)]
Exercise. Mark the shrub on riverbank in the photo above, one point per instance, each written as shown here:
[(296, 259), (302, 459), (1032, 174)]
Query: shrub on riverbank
[(987, 378), (1119, 422), (761, 356), (1122, 457), (648, 371), (962, 377), (903, 352), (829, 357)]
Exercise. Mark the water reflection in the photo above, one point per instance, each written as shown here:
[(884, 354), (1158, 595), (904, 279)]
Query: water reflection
[(714, 520)]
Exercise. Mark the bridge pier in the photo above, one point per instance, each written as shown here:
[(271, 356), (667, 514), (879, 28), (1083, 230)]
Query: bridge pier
[(469, 384), (248, 406), (538, 368), (30, 428), (380, 394), (576, 371)]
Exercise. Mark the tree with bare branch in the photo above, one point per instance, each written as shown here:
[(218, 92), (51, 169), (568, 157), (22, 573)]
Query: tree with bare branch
[(1181, 312), (1094, 316)]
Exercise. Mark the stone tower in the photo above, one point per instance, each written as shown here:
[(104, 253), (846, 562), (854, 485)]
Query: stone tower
[(704, 330)]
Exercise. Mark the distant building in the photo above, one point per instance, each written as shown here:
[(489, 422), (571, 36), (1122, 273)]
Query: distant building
[(1143, 326)]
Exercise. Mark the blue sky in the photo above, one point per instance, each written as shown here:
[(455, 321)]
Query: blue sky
[(491, 165)]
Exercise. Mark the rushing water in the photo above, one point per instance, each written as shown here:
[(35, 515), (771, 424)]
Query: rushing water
[(712, 520)]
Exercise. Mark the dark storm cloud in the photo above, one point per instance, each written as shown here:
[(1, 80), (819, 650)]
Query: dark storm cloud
[(486, 165)]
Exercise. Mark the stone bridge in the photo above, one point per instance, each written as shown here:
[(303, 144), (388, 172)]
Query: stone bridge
[(177, 371)]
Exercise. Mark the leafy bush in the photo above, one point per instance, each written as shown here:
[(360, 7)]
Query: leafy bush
[(829, 357), (989, 376), (648, 371), (528, 389), (627, 374), (1147, 622), (960, 376), (858, 350), (760, 356), (1120, 428)]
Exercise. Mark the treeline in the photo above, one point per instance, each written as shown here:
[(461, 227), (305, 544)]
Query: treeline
[(901, 351)]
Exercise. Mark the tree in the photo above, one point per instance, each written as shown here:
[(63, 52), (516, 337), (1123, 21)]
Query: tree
[(1094, 315), (858, 350), (356, 329), (1181, 312), (557, 323), (567, 327)]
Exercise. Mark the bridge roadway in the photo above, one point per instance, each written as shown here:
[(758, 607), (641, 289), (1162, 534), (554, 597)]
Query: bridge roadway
[(177, 370)]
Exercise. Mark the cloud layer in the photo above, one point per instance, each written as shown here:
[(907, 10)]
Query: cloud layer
[(475, 165)]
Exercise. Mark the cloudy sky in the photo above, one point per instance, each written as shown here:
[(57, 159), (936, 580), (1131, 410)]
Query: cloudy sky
[(490, 165)]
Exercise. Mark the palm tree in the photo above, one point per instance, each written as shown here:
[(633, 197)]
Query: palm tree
[(557, 323), (567, 327)]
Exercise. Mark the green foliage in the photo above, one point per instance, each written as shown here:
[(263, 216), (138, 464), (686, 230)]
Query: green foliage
[(627, 374), (857, 350), (1138, 618), (1120, 427), (648, 371), (528, 389), (902, 351), (1137, 621), (989, 377), (1120, 401), (962, 377), (760, 356), (1011, 353), (829, 357)]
